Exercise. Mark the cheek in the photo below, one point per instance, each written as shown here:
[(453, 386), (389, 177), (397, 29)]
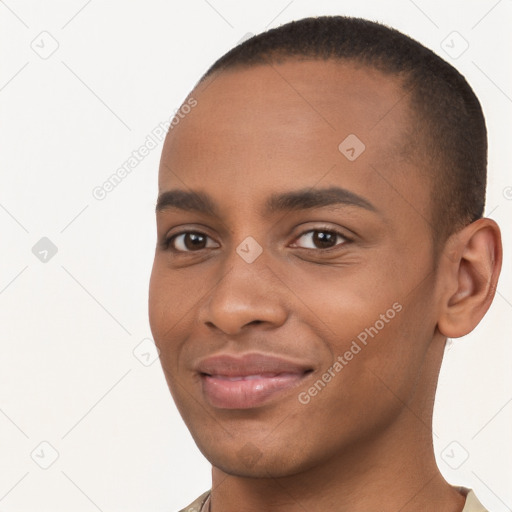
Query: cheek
[(395, 353), (375, 320), (157, 300), (167, 310), (171, 299), (345, 301)]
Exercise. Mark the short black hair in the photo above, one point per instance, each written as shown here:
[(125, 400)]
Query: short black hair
[(448, 115)]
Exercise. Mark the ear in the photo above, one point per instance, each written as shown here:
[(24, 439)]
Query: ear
[(469, 270)]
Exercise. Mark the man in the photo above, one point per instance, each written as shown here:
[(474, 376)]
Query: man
[(320, 236)]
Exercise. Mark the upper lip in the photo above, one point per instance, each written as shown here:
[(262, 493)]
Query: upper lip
[(254, 363)]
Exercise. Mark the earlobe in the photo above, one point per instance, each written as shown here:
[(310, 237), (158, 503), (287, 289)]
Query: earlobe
[(470, 270)]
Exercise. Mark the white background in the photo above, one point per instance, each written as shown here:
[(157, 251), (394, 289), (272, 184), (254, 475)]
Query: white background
[(69, 326)]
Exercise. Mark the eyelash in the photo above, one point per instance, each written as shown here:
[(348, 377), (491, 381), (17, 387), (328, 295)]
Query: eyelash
[(169, 241)]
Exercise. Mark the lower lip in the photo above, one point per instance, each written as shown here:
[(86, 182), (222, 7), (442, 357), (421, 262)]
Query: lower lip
[(246, 394)]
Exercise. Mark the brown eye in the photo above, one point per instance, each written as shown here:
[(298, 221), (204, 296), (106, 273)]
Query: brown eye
[(323, 238), (188, 241)]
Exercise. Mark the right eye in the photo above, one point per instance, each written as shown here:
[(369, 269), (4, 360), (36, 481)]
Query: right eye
[(187, 241)]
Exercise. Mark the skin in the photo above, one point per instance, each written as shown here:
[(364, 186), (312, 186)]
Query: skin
[(364, 442)]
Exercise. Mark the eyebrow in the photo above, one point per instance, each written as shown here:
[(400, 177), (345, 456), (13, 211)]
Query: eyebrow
[(303, 199)]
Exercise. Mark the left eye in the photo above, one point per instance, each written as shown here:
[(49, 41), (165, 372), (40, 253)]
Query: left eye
[(324, 238)]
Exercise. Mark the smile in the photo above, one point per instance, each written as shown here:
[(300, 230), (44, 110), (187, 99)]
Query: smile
[(246, 392), (249, 381)]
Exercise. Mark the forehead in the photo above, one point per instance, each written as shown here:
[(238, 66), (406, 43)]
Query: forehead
[(296, 98), (289, 125)]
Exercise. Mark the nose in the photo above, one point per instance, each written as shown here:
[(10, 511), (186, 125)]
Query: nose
[(246, 294)]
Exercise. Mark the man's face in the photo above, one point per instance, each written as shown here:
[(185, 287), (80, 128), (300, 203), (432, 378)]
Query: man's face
[(350, 282)]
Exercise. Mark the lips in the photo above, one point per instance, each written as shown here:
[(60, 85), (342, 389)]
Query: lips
[(248, 381)]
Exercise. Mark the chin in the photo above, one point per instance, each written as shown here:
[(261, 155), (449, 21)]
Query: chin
[(248, 461)]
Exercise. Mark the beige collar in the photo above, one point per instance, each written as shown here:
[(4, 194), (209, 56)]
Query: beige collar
[(202, 504)]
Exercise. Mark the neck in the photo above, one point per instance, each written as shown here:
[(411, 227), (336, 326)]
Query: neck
[(394, 474), (394, 471)]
